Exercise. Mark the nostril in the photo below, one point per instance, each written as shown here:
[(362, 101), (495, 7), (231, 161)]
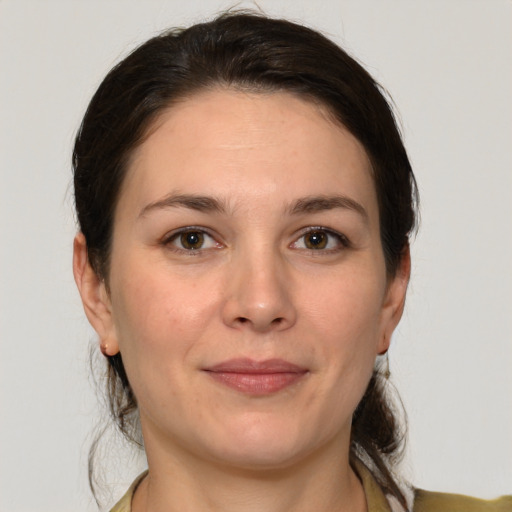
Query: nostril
[(276, 322)]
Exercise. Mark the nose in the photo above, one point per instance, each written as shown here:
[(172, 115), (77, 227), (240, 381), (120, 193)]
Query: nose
[(259, 296)]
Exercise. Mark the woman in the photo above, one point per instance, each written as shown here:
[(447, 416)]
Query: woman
[(245, 204)]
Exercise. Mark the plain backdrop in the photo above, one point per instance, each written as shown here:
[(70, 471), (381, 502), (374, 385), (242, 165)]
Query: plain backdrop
[(447, 64)]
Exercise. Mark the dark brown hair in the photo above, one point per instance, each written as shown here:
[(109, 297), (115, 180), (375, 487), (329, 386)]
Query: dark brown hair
[(250, 52)]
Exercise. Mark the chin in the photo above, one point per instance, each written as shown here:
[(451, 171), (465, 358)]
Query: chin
[(264, 445), (259, 458)]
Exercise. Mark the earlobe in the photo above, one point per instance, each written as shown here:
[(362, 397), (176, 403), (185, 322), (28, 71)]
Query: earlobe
[(95, 299), (394, 302)]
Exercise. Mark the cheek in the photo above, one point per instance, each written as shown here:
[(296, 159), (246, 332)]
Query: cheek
[(345, 318), (160, 316), (346, 308), (160, 321)]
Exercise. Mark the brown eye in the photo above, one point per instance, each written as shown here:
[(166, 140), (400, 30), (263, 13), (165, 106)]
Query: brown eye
[(316, 240), (192, 240), (322, 240)]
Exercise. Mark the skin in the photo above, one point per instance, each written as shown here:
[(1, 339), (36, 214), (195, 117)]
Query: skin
[(255, 290)]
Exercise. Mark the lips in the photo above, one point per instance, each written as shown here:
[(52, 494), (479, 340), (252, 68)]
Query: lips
[(256, 377)]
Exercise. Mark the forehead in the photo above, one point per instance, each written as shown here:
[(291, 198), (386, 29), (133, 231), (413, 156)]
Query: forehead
[(239, 145)]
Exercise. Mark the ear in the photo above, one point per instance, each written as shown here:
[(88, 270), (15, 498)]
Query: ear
[(95, 298), (394, 301)]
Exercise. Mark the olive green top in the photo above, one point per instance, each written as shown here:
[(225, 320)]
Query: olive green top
[(376, 500)]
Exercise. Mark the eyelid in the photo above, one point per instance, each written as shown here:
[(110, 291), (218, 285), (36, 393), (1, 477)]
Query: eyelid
[(168, 238), (343, 240)]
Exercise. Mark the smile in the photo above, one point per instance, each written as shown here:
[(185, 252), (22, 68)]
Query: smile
[(257, 378)]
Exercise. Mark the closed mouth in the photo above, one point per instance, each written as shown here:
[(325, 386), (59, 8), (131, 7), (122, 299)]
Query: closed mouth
[(256, 377)]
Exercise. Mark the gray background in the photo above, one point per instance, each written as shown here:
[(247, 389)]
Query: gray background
[(448, 67)]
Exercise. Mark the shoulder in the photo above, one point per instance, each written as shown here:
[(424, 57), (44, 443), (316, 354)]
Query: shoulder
[(125, 503), (425, 501)]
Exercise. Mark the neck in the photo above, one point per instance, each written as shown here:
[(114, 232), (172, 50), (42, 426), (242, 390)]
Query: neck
[(184, 483)]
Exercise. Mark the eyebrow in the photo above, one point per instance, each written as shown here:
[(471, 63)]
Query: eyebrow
[(309, 204), (313, 204), (190, 201)]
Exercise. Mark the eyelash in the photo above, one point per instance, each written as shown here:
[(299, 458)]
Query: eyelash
[(168, 240), (342, 241)]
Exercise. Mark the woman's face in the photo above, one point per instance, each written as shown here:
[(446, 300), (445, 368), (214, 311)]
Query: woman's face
[(248, 290)]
